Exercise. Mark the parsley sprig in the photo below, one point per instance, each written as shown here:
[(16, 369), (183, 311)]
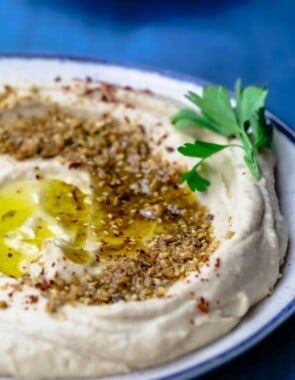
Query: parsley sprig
[(246, 121)]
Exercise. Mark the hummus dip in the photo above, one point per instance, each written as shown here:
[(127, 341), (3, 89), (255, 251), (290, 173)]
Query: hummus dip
[(107, 263)]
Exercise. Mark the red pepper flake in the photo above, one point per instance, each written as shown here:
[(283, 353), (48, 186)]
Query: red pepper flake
[(142, 129), (74, 165), (128, 88), (107, 92), (203, 305), (44, 285), (32, 299), (89, 91), (128, 105), (217, 263), (210, 217), (127, 240), (75, 195), (147, 91), (192, 322), (170, 149)]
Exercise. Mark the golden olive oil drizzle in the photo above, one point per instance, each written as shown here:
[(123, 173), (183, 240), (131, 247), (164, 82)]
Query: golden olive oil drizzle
[(32, 212), (52, 205)]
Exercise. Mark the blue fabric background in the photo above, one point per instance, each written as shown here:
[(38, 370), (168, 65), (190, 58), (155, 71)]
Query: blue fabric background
[(217, 40)]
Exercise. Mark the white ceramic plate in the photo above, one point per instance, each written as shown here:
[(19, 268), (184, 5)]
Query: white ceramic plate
[(264, 317)]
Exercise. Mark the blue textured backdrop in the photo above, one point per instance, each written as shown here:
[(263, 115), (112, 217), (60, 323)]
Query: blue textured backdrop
[(218, 40)]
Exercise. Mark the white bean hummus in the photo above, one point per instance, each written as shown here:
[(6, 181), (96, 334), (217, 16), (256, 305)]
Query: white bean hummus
[(107, 263)]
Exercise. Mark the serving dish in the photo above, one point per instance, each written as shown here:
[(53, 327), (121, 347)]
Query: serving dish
[(268, 314)]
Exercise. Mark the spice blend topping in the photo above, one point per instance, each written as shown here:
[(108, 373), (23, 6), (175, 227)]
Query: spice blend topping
[(149, 230)]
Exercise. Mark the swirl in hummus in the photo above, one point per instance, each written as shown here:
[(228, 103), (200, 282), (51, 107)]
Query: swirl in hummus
[(107, 263)]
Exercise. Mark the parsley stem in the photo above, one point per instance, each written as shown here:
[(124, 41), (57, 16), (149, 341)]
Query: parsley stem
[(250, 157), (246, 141), (195, 167)]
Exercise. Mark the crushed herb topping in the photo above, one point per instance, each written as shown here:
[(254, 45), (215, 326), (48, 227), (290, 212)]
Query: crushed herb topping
[(151, 230)]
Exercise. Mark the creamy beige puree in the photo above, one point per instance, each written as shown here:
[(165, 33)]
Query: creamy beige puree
[(107, 262)]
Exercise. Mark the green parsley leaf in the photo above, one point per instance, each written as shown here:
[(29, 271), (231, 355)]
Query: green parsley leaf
[(215, 105), (188, 118), (195, 181), (261, 132), (200, 149), (251, 100), (246, 121)]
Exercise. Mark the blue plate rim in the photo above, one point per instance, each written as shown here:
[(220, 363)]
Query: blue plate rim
[(280, 125)]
